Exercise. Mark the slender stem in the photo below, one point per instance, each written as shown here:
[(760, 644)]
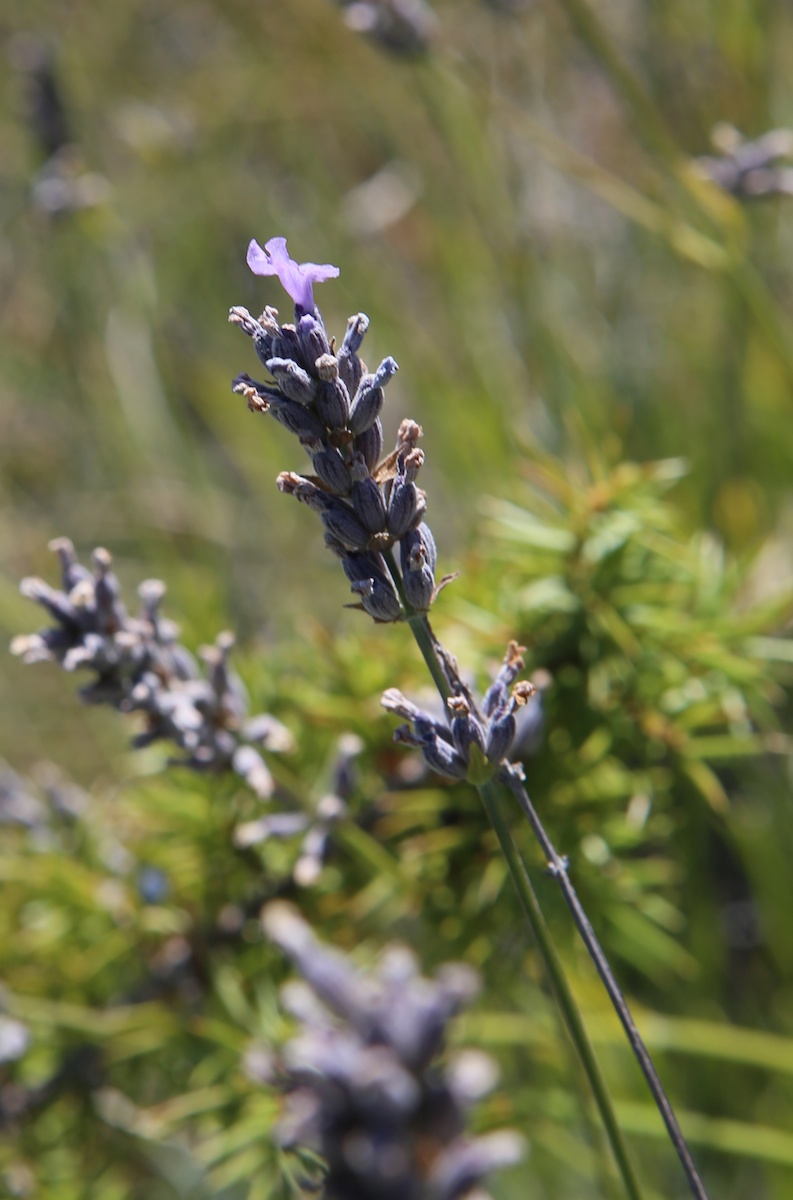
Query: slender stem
[(553, 965), (421, 629), (437, 664), (427, 644), (557, 867)]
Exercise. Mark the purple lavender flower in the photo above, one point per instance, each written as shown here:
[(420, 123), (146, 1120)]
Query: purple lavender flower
[(749, 169), (370, 505), (477, 738), (140, 666), (402, 27), (316, 826), (296, 278), (365, 1084)]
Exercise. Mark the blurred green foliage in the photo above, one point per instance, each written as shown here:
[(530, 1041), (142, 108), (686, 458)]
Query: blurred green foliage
[(519, 213)]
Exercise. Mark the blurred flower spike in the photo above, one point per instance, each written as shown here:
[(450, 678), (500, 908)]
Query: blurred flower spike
[(140, 666), (368, 1084), (296, 278)]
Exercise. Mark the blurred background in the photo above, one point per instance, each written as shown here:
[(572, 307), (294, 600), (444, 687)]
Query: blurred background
[(568, 226)]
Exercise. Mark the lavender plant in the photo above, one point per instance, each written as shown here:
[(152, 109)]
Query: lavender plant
[(369, 1090), (140, 667), (404, 28), (316, 827), (588, 316), (477, 736), (410, 1133), (365, 1084), (750, 168), (34, 806), (333, 405), (369, 506)]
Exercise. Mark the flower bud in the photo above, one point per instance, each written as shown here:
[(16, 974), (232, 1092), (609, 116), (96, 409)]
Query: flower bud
[(367, 498), (417, 572), (364, 566), (350, 366), (57, 604), (333, 400), (250, 766), (72, 572), (293, 381), (437, 752), (312, 337), (394, 701), (500, 737), (368, 400), (287, 345), (340, 520), (406, 504), (107, 591), (262, 337), (428, 544), (378, 598), (328, 465), (465, 727), (370, 444), (497, 697), (297, 418)]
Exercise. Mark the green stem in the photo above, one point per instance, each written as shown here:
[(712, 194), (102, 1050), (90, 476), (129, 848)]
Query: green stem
[(564, 996), (422, 631), (512, 777), (433, 656), (427, 644)]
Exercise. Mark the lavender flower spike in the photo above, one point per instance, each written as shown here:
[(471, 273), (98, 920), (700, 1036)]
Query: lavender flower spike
[(296, 278)]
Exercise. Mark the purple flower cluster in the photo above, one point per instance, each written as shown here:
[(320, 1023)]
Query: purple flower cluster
[(140, 666), (476, 738), (402, 27), (316, 827), (365, 1086), (368, 504), (296, 278), (750, 169), (39, 804)]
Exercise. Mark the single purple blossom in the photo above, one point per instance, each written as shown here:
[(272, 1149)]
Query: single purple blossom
[(296, 278)]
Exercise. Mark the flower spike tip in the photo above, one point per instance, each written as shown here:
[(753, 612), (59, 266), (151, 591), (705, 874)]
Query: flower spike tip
[(296, 278)]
